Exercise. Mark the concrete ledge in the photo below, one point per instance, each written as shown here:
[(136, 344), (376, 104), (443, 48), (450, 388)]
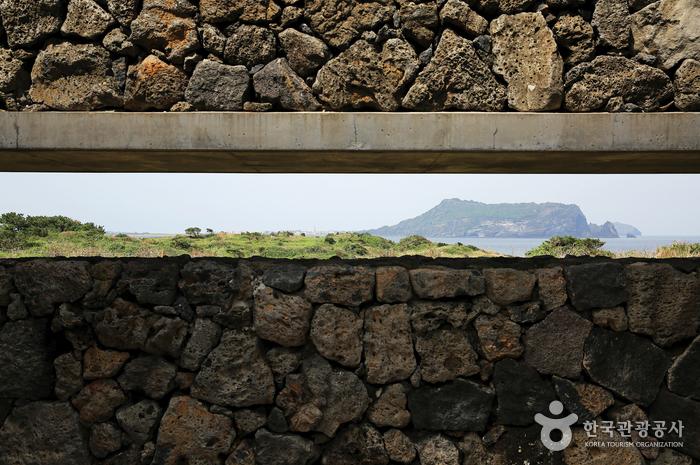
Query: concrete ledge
[(351, 142)]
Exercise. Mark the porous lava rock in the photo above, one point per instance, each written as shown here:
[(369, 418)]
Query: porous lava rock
[(364, 77), (526, 55), (591, 85)]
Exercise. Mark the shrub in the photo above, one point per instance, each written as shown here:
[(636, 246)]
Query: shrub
[(414, 242), (561, 246)]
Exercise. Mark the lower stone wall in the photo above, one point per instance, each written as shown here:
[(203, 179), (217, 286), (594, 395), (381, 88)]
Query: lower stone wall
[(409, 360)]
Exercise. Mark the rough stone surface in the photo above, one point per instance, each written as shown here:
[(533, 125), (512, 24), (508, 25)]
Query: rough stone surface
[(390, 408), (123, 11), (167, 26), (687, 86), (123, 325), (98, 363), (438, 450), (555, 345), (205, 336), (428, 316), (283, 449), (499, 337), (166, 337), (149, 282), (587, 401), (669, 407), (278, 83), (305, 53), (459, 15), (357, 444), (217, 87), (611, 318), (373, 383), (46, 433), (363, 77), (86, 19), (44, 283), (399, 447), (97, 401), (330, 398), (284, 319), (629, 365), (288, 278), (389, 353), (551, 286), (455, 78), (250, 45), (27, 23), (611, 21), (73, 77), (337, 334), (440, 283), (445, 354), (216, 11), (235, 373), (579, 453), (393, 284), (105, 438), (663, 303), (456, 406), (341, 285), (526, 55), (26, 366), (139, 421), (150, 375), (154, 85), (506, 286), (339, 22), (590, 86), (68, 376), (521, 393), (684, 375), (211, 283), (189, 433), (575, 38), (418, 22), (596, 285), (667, 29)]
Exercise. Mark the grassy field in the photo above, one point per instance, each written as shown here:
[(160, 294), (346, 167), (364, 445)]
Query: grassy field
[(276, 245), (60, 236)]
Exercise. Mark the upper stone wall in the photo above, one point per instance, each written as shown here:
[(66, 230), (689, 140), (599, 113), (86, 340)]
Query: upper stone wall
[(385, 55)]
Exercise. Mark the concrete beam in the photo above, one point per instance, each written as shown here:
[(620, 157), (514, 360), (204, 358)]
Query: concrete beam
[(351, 142)]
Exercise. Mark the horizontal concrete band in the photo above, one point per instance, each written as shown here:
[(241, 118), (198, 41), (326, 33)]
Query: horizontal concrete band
[(350, 142)]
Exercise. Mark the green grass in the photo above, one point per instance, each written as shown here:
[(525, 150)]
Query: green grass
[(276, 245)]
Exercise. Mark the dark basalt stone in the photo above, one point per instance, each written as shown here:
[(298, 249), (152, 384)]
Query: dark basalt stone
[(630, 365), (26, 363), (521, 393), (670, 408), (596, 285), (457, 406)]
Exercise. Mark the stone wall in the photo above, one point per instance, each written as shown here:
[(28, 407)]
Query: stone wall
[(402, 361), (386, 55)]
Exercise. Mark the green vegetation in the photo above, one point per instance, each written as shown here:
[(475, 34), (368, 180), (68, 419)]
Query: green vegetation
[(26, 236), (561, 246), (54, 236), (679, 249)]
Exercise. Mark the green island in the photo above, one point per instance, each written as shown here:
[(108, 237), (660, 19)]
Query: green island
[(60, 236)]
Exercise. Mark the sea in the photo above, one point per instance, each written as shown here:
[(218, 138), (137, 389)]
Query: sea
[(518, 246)]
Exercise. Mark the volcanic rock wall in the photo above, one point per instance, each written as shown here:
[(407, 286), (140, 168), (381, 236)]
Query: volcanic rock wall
[(402, 361), (386, 55)]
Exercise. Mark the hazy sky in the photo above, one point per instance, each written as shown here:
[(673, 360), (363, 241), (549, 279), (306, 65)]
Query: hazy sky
[(656, 204)]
